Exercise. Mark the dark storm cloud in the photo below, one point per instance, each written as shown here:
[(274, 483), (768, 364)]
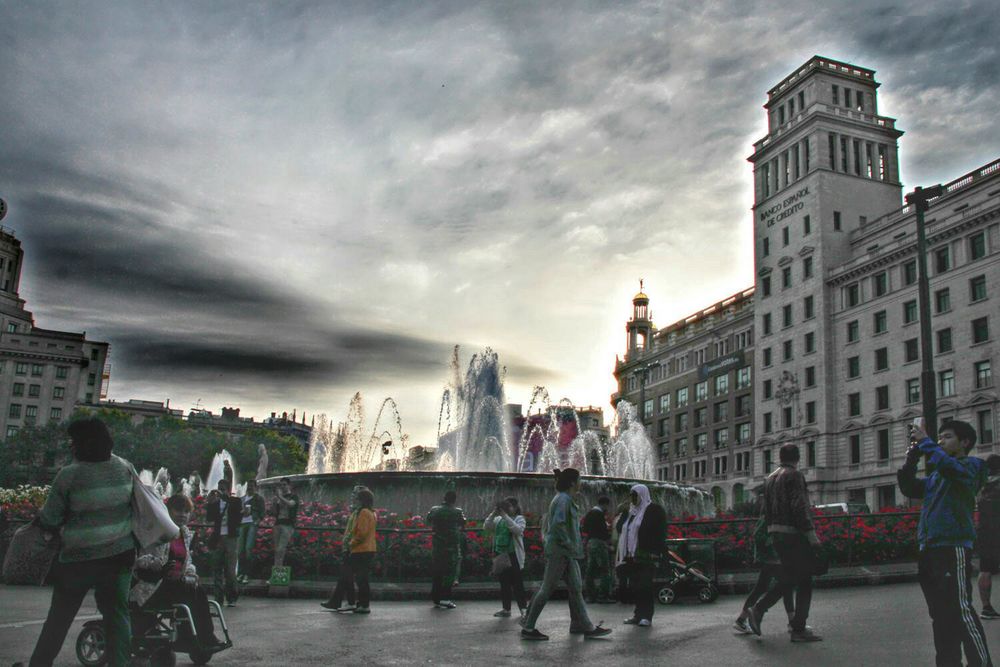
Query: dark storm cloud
[(314, 193)]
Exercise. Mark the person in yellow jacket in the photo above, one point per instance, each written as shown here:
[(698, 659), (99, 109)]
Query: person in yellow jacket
[(359, 552)]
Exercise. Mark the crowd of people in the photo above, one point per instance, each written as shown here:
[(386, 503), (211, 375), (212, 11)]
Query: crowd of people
[(90, 506)]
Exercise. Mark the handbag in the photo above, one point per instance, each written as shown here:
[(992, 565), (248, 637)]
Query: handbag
[(151, 523), (30, 555), (501, 563)]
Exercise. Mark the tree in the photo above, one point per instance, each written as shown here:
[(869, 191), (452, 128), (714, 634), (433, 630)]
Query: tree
[(35, 453)]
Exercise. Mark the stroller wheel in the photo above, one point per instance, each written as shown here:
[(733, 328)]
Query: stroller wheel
[(90, 645), (666, 595), (708, 593)]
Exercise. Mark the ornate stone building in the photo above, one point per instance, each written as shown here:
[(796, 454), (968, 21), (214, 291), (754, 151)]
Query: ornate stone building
[(44, 374), (835, 319)]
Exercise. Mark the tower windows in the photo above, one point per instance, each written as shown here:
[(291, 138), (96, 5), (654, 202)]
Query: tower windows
[(883, 164), (843, 154), (836, 95), (847, 97), (833, 151), (857, 157)]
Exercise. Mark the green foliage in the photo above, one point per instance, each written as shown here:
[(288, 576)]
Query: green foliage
[(36, 452)]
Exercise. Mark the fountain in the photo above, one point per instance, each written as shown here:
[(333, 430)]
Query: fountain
[(477, 455), (216, 472)]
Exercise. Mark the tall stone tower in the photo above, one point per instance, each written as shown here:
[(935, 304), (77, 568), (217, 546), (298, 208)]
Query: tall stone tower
[(827, 165), (639, 328)]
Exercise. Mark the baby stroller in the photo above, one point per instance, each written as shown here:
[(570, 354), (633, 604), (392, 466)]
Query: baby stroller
[(170, 631), (685, 578)]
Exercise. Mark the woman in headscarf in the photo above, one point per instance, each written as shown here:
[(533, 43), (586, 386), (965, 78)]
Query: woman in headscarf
[(642, 540)]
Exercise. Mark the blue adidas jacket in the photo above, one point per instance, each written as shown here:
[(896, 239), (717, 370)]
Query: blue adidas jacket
[(948, 494)]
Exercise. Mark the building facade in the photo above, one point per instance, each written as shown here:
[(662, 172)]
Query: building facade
[(44, 374), (836, 365), (692, 385)]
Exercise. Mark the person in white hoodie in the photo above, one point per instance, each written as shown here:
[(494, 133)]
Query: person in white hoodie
[(507, 525)]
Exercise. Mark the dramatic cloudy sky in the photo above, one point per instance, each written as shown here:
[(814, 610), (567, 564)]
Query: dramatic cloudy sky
[(277, 205)]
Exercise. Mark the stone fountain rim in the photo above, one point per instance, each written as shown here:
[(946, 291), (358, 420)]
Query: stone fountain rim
[(267, 481)]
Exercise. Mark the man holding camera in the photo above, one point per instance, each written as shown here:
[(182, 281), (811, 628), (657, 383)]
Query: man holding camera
[(946, 534)]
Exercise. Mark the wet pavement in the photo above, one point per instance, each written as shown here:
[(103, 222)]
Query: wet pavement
[(866, 625)]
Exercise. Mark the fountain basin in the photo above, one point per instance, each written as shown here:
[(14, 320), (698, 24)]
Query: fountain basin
[(413, 492)]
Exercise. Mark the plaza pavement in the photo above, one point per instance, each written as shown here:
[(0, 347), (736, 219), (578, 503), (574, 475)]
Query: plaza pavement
[(866, 625)]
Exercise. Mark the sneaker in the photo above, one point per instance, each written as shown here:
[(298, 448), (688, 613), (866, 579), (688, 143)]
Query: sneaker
[(740, 625), (533, 635), (329, 606), (645, 623), (503, 613), (346, 609), (362, 610), (989, 612), (806, 635), (632, 621), (753, 620), (446, 604), (790, 630), (598, 631)]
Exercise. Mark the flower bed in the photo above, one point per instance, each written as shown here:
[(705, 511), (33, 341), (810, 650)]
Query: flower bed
[(404, 541)]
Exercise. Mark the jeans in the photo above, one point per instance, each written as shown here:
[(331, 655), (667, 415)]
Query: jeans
[(353, 570), (797, 563), (225, 569), (244, 545), (599, 569), (512, 585), (770, 572), (947, 587), (282, 536), (555, 567), (110, 579), (345, 584), (361, 564)]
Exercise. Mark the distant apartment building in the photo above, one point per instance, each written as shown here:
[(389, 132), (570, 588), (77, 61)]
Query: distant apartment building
[(44, 374), (836, 365)]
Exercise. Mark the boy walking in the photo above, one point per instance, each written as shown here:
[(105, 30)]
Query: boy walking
[(946, 534)]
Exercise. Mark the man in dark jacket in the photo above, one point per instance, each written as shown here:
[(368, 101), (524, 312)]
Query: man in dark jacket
[(786, 512), (988, 535), (225, 511), (946, 535), (597, 532), (448, 522)]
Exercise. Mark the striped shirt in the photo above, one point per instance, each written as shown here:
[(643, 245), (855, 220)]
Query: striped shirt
[(92, 504)]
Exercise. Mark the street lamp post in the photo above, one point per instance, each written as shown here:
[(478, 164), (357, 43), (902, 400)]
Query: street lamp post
[(919, 199)]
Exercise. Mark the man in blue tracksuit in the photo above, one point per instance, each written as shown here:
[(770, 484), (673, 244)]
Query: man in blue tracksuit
[(946, 534)]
